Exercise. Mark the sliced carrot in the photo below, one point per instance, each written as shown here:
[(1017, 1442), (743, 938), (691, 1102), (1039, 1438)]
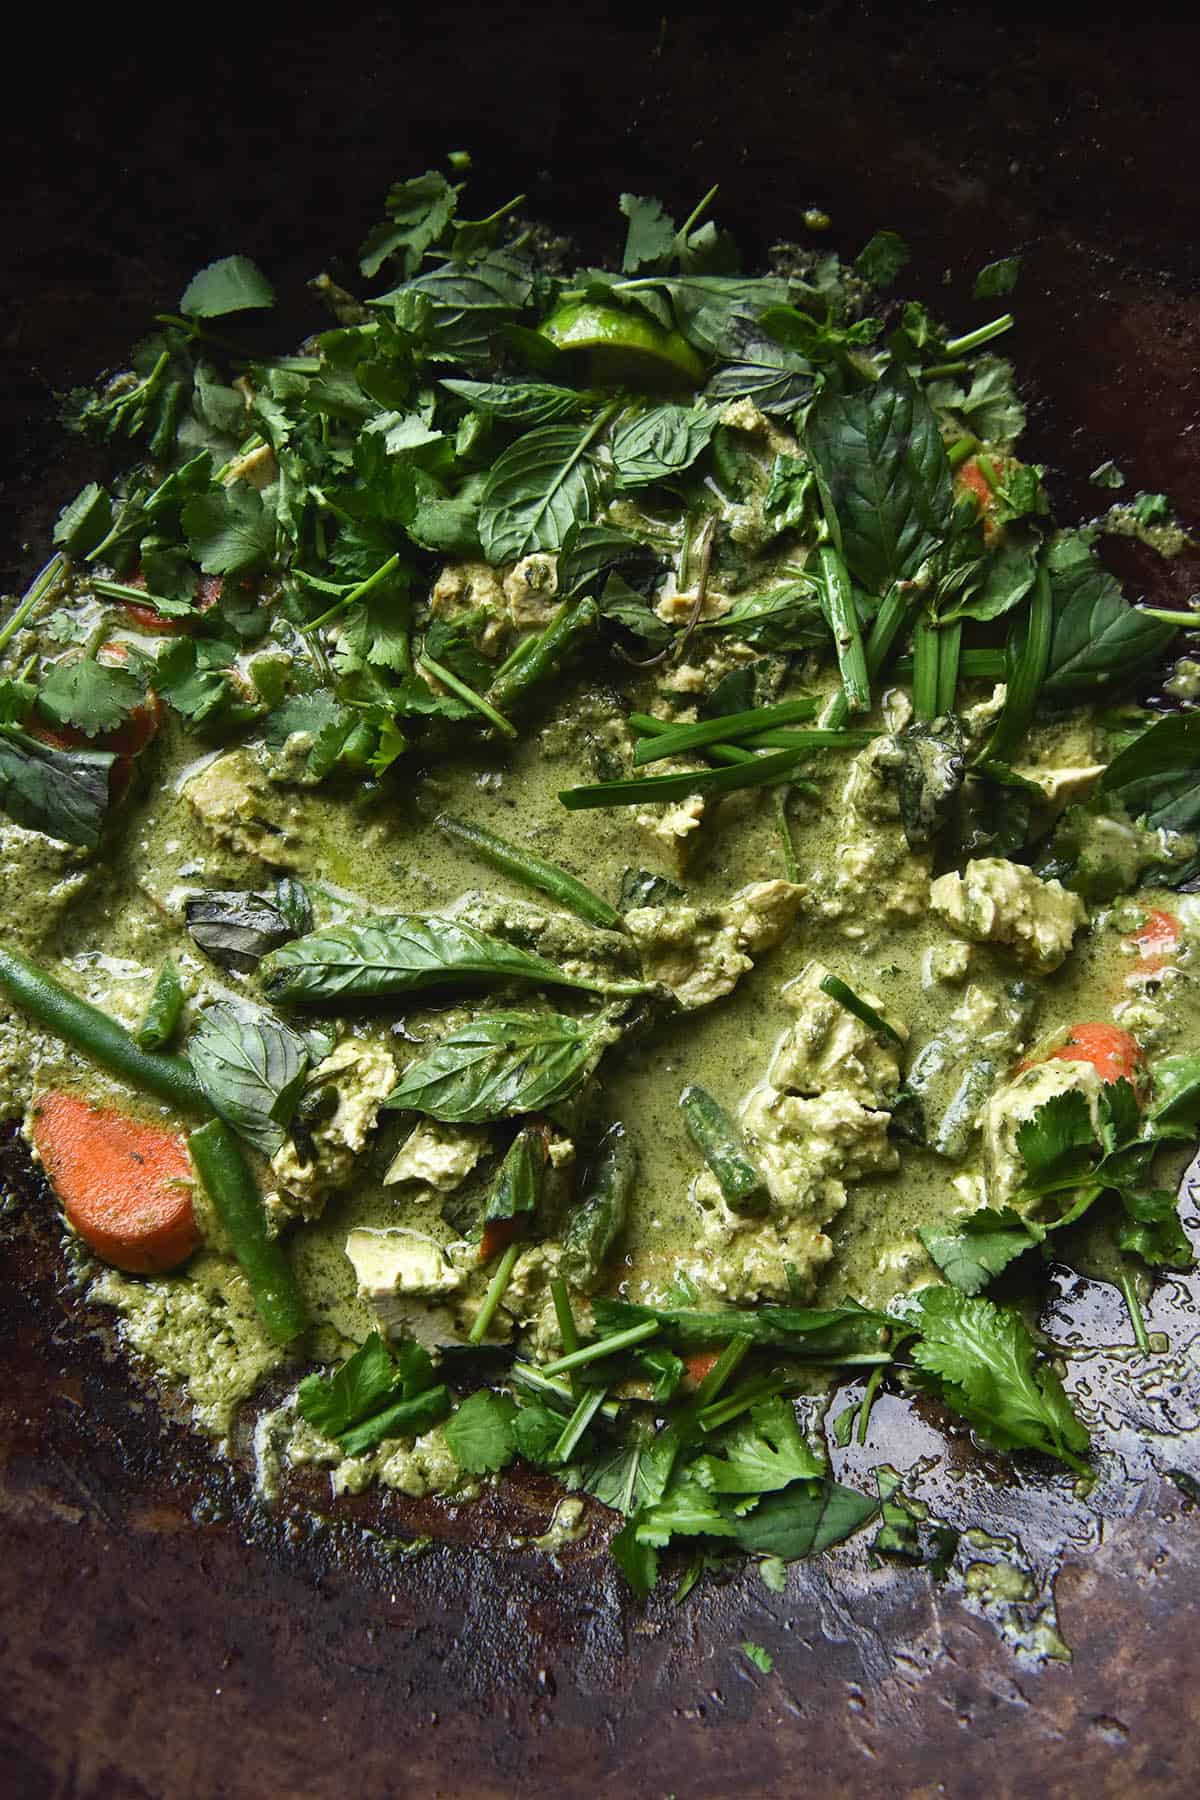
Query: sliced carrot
[(1156, 939), (498, 1234), (126, 1187), (699, 1364), (1113, 1054)]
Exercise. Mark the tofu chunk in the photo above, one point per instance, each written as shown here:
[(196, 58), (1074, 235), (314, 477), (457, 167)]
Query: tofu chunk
[(999, 902), (363, 1073), (235, 800), (1016, 1102), (828, 1047), (440, 1156), (399, 1272), (701, 954)]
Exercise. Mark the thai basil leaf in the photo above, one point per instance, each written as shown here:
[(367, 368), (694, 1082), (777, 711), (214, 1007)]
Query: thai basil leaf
[(371, 958), (504, 1063), (251, 1067), (841, 1334), (803, 1520), (236, 929), (927, 767), (61, 792), (782, 618), (660, 443), (1099, 640), (760, 369), (590, 553), (884, 476), (1000, 582), (467, 302), (982, 1247), (541, 486), (712, 310), (625, 606), (1157, 779), (640, 887), (518, 1184), (519, 402), (295, 904)]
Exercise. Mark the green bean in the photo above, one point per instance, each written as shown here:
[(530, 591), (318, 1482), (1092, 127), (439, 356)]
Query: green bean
[(518, 1185), (231, 1187), (837, 603), (716, 1137), (163, 1011), (534, 871), (97, 1036), (885, 628), (573, 621), (599, 1218)]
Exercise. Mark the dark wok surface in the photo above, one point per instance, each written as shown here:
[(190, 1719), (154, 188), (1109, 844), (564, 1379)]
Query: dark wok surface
[(159, 1634)]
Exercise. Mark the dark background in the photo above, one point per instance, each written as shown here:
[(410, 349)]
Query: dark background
[(147, 1650)]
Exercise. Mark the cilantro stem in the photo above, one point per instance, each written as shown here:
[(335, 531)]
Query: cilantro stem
[(586, 1409), (726, 1364), (450, 680), (1134, 1308), (791, 868), (609, 1346), (42, 584), (568, 1336), (120, 590), (1190, 621), (958, 452), (867, 1402), (974, 340), (837, 603), (495, 1293), (357, 593), (697, 212), (525, 1375), (763, 1387)]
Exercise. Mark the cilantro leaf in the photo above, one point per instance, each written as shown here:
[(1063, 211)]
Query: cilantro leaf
[(758, 1456), (361, 1386), (89, 695), (980, 1249), (685, 1510), (1153, 1231), (881, 259), (84, 520), (632, 1476), (16, 700), (229, 529), (984, 1363), (637, 1560), (418, 212), (996, 278), (651, 235), (232, 284), (1058, 1141), (762, 1659), (481, 1432)]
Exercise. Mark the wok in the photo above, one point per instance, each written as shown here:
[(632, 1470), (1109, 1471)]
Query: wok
[(161, 1633)]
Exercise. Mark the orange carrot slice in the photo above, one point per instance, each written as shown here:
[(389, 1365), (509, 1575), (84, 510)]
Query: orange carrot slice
[(126, 1187)]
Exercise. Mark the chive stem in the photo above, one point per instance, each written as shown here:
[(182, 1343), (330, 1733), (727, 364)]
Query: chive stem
[(645, 725), (525, 1375), (751, 1393), (568, 1336), (949, 657), (729, 1361), (356, 593), (845, 996), (1189, 621), (495, 1293), (608, 1346), (885, 628), (926, 653), (1030, 641), (762, 772), (588, 1406)]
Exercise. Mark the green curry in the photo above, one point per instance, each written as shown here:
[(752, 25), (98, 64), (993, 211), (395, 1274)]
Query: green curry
[(667, 891)]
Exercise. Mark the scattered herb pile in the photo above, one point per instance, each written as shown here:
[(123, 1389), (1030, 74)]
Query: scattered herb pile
[(269, 549)]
